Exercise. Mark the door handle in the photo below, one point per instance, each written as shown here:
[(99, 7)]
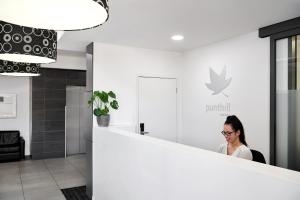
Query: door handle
[(143, 133), (142, 129)]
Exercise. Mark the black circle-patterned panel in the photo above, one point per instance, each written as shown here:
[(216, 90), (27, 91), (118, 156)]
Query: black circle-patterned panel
[(16, 67), (15, 39)]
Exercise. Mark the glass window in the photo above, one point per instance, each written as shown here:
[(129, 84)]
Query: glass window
[(287, 139)]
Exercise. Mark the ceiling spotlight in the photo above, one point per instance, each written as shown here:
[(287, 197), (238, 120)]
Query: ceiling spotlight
[(55, 14), (28, 45), (177, 37), (8, 68)]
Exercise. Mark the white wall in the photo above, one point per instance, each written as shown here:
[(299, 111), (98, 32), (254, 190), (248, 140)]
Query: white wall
[(21, 87), (68, 60), (129, 166), (116, 68), (247, 62)]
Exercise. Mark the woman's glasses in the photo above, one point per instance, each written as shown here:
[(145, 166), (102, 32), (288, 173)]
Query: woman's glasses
[(226, 133)]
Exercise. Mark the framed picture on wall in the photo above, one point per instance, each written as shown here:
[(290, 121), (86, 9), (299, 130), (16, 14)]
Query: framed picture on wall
[(8, 105)]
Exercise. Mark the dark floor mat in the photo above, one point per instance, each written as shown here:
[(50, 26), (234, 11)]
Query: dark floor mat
[(75, 193)]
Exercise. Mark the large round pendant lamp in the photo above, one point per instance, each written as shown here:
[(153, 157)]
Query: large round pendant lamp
[(28, 45), (19, 69), (55, 14)]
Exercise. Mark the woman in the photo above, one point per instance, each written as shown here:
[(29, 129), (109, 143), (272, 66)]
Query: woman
[(234, 134)]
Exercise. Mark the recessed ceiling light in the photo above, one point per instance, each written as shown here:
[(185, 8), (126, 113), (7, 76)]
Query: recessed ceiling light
[(177, 37)]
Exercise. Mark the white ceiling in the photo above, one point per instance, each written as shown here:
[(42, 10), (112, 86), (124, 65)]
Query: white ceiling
[(150, 23)]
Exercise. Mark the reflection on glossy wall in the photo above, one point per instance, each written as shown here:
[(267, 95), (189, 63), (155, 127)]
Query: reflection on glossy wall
[(288, 103)]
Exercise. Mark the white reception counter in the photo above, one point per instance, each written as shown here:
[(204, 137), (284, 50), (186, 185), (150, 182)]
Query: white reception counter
[(128, 166)]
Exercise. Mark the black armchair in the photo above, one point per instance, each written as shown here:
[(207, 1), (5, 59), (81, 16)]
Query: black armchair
[(12, 146), (257, 156)]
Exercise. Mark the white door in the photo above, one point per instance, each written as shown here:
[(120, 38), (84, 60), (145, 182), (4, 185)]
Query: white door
[(157, 107)]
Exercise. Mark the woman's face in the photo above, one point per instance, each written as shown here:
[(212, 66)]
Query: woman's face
[(230, 135)]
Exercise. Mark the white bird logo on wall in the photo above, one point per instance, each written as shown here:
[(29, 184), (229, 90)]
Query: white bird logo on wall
[(218, 83)]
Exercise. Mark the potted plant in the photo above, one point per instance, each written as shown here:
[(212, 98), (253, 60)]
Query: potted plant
[(102, 102)]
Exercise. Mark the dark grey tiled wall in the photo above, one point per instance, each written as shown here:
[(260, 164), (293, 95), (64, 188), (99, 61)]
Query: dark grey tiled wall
[(48, 110)]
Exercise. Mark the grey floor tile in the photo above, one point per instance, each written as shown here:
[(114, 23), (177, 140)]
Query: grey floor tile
[(9, 164), (35, 175), (71, 178), (71, 183), (28, 169), (9, 195), (9, 173), (10, 182), (9, 168), (83, 171), (58, 165), (41, 179), (33, 171), (67, 172), (49, 193), (10, 187), (79, 157), (10, 178), (38, 182), (80, 165), (31, 163), (55, 161), (61, 169), (79, 162)]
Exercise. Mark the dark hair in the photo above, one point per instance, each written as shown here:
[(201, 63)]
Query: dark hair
[(237, 125)]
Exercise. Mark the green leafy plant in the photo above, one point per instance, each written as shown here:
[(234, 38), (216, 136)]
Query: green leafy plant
[(102, 101)]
